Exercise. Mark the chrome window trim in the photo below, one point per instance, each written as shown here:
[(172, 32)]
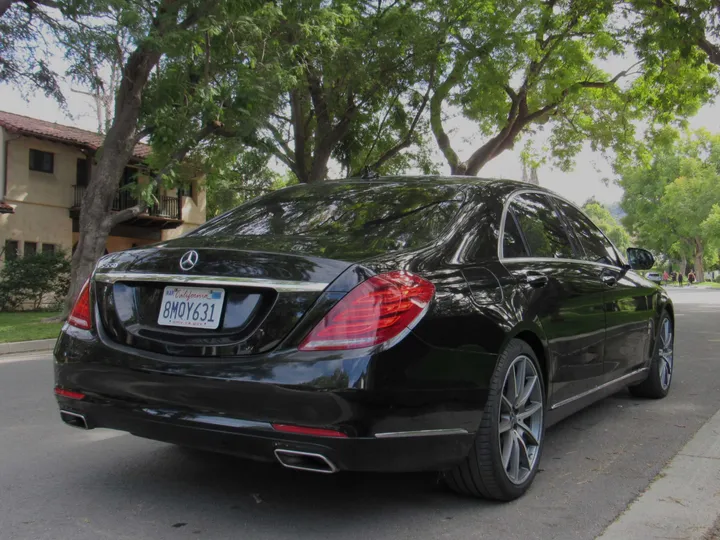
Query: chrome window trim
[(231, 281), (541, 259), (597, 388), (421, 433)]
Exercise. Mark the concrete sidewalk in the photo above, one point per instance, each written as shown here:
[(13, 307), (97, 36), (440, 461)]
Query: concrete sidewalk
[(27, 346), (684, 500)]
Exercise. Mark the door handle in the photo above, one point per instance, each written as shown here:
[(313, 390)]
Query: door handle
[(609, 280), (536, 279)]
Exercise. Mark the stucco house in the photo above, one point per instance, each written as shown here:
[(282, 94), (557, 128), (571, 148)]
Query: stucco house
[(44, 170)]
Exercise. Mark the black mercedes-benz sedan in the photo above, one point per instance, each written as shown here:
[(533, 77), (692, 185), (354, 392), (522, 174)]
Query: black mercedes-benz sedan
[(389, 324)]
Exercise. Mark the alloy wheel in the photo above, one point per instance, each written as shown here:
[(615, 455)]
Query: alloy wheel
[(665, 353), (520, 420)]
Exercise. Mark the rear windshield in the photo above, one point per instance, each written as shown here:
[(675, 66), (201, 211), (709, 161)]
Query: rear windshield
[(389, 215)]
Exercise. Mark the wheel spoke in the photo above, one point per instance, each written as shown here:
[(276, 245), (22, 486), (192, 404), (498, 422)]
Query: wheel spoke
[(512, 386), (524, 455), (505, 424), (506, 403), (529, 386), (520, 384), (531, 439), (531, 409), (515, 458), (507, 449)]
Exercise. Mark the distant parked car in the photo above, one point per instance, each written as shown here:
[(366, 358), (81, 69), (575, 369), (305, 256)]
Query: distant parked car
[(654, 276)]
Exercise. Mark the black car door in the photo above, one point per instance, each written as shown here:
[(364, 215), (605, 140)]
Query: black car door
[(563, 294), (628, 298)]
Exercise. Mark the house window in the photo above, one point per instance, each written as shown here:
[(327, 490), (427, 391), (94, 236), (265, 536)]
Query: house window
[(187, 191), (11, 249), (48, 248), (30, 249), (42, 161), (81, 172)]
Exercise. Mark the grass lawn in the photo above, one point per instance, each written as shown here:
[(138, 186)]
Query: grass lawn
[(26, 326), (710, 284)]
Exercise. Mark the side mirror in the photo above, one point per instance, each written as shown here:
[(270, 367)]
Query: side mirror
[(640, 259)]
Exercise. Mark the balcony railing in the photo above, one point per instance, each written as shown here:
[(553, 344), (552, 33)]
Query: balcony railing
[(166, 206)]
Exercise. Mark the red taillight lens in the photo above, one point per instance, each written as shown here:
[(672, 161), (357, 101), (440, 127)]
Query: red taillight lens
[(68, 393), (301, 430), (374, 312), (80, 314)]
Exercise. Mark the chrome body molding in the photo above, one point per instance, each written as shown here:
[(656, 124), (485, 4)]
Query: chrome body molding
[(598, 388), (421, 433), (231, 281)]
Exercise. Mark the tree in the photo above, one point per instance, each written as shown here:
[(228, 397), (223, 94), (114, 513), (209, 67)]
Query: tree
[(695, 23), (357, 93), (26, 26), (513, 67), (157, 34), (670, 193), (614, 230)]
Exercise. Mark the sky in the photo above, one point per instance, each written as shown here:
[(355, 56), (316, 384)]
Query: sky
[(585, 181)]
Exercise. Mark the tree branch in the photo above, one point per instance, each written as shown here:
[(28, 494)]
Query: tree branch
[(436, 103), (407, 140)]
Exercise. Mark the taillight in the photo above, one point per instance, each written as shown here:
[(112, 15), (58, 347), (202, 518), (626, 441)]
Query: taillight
[(80, 314), (376, 311)]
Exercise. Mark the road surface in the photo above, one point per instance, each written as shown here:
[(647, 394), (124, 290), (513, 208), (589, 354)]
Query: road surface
[(60, 483)]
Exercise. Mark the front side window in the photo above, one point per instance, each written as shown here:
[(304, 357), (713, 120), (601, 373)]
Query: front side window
[(42, 161), (597, 248), (544, 232), (30, 249), (48, 248)]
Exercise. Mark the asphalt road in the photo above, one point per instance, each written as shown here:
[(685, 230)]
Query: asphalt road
[(61, 483)]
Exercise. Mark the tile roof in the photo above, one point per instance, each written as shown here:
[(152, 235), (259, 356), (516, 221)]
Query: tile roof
[(25, 125)]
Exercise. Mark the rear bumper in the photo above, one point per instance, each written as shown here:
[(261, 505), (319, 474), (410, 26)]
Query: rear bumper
[(255, 440), (410, 407)]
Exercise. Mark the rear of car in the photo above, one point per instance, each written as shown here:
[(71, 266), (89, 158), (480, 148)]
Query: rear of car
[(260, 333)]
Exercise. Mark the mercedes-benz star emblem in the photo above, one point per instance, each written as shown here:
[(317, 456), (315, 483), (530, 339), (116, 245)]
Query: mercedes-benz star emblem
[(189, 260)]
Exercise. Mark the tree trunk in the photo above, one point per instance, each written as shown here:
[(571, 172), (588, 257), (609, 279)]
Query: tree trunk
[(95, 218), (683, 265), (699, 252)]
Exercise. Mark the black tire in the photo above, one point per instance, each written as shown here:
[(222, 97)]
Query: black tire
[(653, 387), (482, 474)]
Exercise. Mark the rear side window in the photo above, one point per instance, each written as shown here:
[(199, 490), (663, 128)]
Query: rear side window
[(513, 244), (388, 215), (544, 232), (596, 247)]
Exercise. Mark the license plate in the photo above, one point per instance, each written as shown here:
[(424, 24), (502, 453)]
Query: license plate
[(192, 307)]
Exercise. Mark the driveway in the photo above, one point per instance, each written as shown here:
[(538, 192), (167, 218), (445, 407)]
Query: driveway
[(59, 483)]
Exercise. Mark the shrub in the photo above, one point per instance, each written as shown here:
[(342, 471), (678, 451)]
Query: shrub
[(41, 280), (717, 279)]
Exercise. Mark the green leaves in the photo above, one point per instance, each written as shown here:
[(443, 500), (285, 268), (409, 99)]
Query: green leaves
[(671, 200)]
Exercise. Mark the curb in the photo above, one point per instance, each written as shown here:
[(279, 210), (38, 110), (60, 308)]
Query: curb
[(682, 502), (27, 346)]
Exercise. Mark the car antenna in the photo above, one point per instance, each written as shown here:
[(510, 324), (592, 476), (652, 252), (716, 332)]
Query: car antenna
[(368, 174)]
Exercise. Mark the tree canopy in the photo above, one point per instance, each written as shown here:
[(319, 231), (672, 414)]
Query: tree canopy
[(671, 197)]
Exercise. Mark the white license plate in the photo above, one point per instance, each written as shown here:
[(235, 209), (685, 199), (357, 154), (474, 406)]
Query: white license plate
[(192, 307)]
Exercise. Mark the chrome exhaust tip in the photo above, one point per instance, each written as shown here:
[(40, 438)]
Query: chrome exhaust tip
[(74, 419), (305, 461)]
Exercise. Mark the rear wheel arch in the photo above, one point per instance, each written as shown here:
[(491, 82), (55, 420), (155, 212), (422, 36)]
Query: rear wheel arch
[(533, 335), (536, 344)]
